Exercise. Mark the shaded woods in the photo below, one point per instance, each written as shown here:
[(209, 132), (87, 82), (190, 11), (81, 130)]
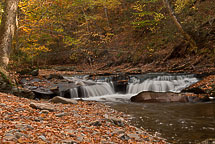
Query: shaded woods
[(110, 33)]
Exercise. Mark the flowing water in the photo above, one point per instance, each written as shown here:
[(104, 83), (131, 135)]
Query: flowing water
[(177, 122)]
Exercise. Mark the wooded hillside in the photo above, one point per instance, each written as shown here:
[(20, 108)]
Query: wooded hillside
[(114, 32)]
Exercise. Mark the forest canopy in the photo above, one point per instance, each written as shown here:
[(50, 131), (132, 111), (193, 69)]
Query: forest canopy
[(73, 31)]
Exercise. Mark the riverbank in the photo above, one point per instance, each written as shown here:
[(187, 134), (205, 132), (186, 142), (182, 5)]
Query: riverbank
[(84, 122)]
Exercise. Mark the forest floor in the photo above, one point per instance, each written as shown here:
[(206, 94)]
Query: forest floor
[(84, 122)]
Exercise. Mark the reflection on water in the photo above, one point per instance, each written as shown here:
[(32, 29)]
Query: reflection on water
[(177, 122)]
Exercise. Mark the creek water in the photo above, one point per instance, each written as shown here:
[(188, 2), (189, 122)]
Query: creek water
[(177, 122)]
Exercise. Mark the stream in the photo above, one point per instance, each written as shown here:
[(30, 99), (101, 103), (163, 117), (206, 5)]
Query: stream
[(177, 122)]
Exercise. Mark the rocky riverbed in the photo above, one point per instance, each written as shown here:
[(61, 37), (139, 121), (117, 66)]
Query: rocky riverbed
[(30, 121)]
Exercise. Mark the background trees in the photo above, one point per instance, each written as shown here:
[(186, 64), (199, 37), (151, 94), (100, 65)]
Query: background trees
[(74, 31)]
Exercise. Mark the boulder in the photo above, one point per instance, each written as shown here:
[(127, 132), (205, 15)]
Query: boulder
[(35, 72), (62, 100), (43, 93), (151, 97), (23, 92), (42, 106), (55, 76)]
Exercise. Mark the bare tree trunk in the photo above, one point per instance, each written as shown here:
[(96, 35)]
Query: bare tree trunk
[(190, 40), (106, 15), (7, 30)]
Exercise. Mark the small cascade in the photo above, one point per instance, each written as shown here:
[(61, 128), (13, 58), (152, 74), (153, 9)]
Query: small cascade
[(161, 83), (74, 92), (104, 89), (98, 89)]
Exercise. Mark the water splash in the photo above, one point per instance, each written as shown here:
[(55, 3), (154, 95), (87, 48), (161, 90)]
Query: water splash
[(161, 84), (99, 89), (157, 83)]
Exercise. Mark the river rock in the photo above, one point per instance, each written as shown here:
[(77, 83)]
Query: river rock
[(96, 123), (42, 137), (43, 93), (60, 114), (62, 100), (124, 137), (208, 141), (9, 137), (19, 134), (134, 136), (56, 76), (35, 72), (23, 92), (42, 106), (151, 97), (117, 121), (44, 111), (68, 141)]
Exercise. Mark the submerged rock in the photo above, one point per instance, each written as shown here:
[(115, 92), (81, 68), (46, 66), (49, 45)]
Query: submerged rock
[(151, 97)]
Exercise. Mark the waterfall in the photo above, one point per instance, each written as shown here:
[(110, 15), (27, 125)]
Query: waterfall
[(85, 88), (98, 89), (160, 84), (74, 92)]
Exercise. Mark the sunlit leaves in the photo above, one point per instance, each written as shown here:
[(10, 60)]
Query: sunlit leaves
[(59, 24), (34, 49), (145, 16), (70, 41), (1, 11), (181, 4)]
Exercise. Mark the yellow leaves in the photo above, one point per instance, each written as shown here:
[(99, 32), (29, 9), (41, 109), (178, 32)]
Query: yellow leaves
[(34, 49), (109, 34), (181, 4), (138, 6), (70, 41), (158, 16), (26, 29)]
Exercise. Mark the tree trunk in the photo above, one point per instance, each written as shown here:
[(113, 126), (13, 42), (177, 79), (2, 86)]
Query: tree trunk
[(7, 30), (189, 39)]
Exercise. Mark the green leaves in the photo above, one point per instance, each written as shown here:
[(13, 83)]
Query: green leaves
[(146, 16), (144, 23)]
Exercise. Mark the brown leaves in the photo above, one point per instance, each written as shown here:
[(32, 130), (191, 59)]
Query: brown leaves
[(85, 122)]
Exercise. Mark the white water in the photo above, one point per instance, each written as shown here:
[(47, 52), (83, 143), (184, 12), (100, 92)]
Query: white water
[(103, 91), (161, 84), (74, 93), (111, 98), (98, 89)]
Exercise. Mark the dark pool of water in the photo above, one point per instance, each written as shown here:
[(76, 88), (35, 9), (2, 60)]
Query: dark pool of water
[(177, 122)]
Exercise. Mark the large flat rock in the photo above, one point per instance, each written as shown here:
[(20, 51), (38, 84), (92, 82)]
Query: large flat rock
[(62, 100), (42, 106), (153, 97)]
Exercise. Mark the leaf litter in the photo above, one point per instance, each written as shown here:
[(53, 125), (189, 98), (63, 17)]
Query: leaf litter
[(84, 122)]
